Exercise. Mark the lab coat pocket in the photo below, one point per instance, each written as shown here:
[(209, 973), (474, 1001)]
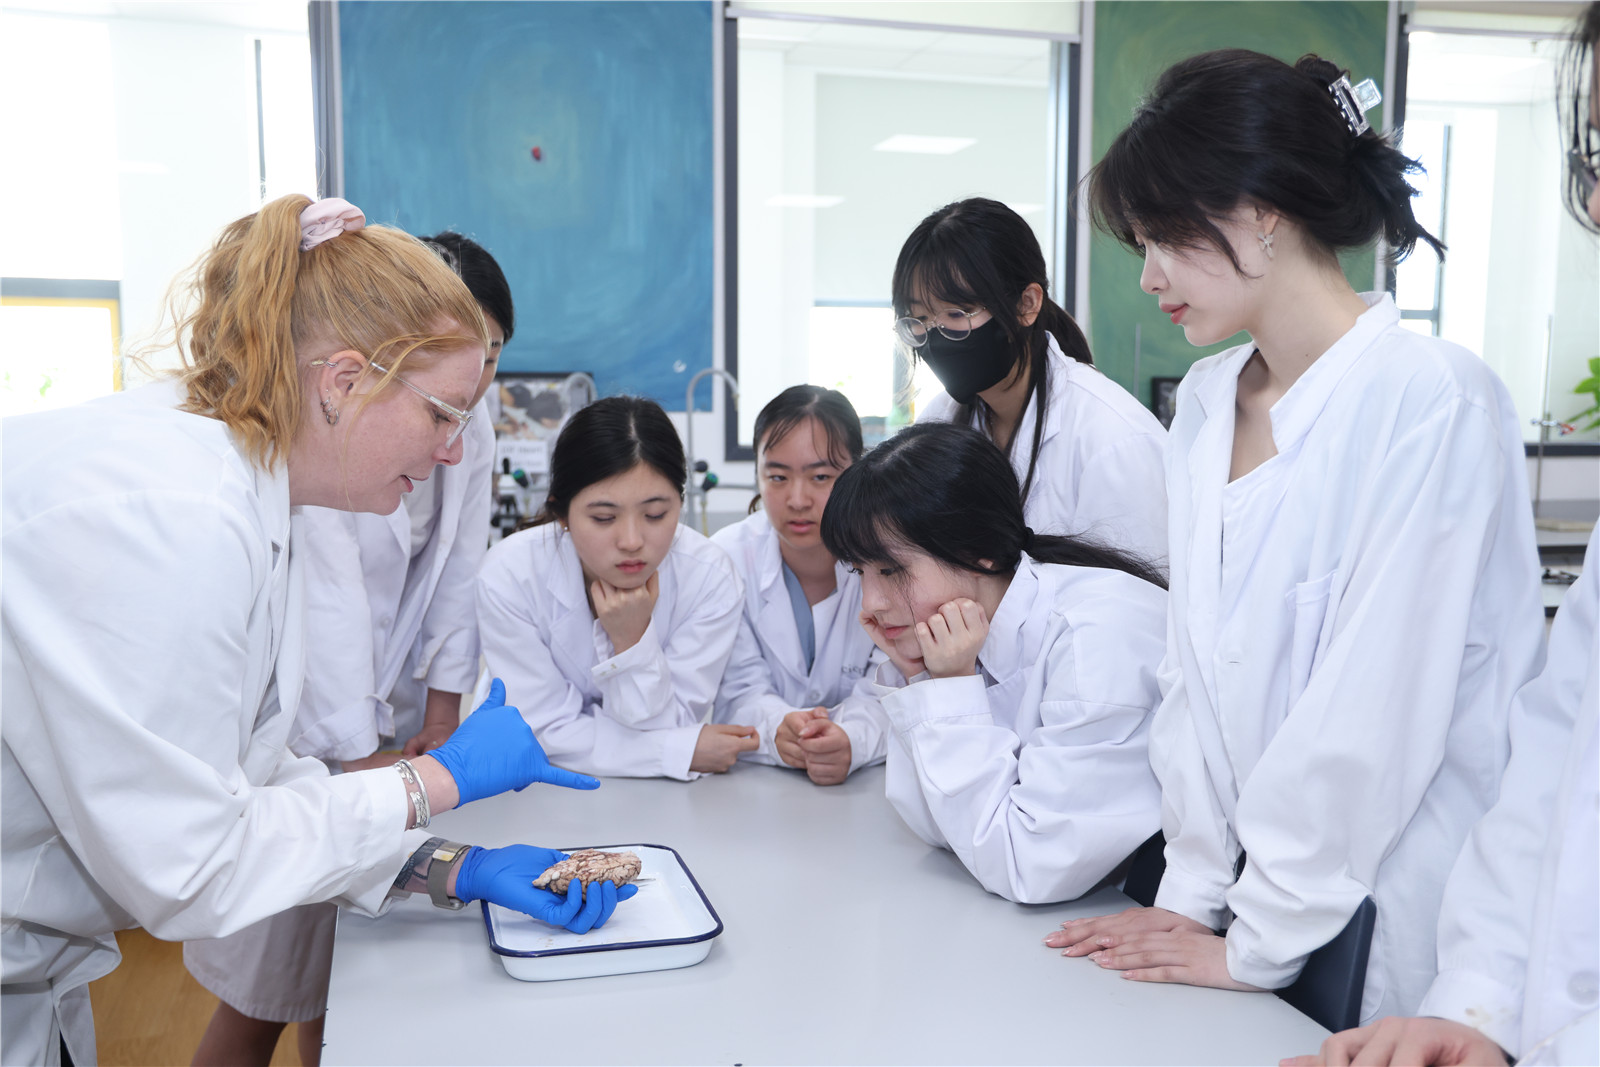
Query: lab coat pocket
[(1309, 604)]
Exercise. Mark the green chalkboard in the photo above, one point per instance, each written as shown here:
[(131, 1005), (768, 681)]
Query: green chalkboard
[(1134, 41)]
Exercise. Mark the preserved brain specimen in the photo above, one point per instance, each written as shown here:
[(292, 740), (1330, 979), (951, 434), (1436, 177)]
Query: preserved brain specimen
[(588, 866)]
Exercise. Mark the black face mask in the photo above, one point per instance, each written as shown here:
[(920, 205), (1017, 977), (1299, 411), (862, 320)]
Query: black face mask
[(969, 366)]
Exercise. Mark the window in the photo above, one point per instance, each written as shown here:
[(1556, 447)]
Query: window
[(1519, 283), (847, 136), (162, 123)]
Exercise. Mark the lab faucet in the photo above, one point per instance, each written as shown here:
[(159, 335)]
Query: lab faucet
[(699, 487)]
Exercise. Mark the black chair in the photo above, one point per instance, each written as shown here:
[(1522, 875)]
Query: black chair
[(1330, 985), (1145, 868), (1329, 988)]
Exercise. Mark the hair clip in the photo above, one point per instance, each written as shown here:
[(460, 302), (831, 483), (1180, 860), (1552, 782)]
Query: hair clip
[(1355, 101)]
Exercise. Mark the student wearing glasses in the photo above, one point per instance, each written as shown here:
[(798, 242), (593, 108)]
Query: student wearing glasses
[(152, 633), (972, 296), (397, 590)]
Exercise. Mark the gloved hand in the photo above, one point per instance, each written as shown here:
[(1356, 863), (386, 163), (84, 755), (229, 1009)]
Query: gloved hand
[(504, 876), (494, 750)]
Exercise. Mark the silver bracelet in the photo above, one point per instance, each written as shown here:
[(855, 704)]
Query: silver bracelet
[(415, 790)]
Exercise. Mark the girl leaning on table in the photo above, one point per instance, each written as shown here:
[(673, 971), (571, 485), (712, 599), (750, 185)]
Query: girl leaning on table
[(801, 650), (1355, 589), (397, 588), (611, 620), (1519, 933), (1022, 666), (971, 290), (152, 636)]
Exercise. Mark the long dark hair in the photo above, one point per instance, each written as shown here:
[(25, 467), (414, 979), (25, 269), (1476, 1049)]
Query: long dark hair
[(611, 437), (979, 252), (1232, 127), (1576, 73), (946, 490), (483, 276), (833, 412)]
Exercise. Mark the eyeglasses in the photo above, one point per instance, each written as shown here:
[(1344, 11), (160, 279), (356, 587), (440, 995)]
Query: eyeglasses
[(914, 331), (460, 418), (1584, 167)]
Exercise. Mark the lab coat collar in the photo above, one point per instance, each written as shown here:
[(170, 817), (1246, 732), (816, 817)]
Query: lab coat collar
[(1297, 410), (566, 571), (1011, 646)]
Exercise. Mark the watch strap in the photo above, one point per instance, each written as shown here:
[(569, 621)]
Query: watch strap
[(443, 861)]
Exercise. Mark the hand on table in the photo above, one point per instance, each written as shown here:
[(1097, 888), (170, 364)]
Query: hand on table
[(494, 750), (816, 744), (719, 745), (624, 614), (1405, 1042), (504, 876), (952, 638), (1080, 937)]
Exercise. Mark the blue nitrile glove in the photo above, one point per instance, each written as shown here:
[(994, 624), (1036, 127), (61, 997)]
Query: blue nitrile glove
[(504, 876), (494, 750)]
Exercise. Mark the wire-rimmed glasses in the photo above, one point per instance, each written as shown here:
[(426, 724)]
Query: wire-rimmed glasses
[(953, 324), (460, 419)]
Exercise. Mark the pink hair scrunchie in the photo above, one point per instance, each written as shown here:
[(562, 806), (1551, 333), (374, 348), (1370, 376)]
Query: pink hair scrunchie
[(328, 218)]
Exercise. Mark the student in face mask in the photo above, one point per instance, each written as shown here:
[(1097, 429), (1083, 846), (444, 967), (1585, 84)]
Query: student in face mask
[(970, 292)]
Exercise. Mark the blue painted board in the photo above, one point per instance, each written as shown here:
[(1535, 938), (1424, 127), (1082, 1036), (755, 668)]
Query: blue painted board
[(606, 239)]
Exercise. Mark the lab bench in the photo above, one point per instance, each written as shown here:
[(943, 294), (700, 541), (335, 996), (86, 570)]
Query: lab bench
[(847, 940)]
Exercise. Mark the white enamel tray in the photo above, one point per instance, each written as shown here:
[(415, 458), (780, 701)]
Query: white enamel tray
[(668, 923)]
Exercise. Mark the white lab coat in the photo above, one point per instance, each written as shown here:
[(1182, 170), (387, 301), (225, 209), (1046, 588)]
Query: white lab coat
[(636, 714), (1519, 936), (1035, 771), (1349, 622), (1099, 472), (386, 627), (152, 649), (767, 677)]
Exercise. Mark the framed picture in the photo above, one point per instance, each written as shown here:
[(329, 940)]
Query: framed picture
[(1164, 399), (529, 408)]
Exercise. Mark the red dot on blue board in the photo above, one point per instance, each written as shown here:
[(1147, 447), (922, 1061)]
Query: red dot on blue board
[(538, 156)]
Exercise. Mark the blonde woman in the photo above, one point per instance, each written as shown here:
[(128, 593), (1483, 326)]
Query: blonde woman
[(151, 634)]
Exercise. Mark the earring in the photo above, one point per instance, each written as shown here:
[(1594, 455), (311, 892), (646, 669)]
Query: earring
[(1266, 243), (330, 412)]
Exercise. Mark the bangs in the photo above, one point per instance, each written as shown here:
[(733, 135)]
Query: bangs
[(838, 450), (858, 525), (937, 268), (1141, 189)]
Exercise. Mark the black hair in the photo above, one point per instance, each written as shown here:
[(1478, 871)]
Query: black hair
[(483, 277), (948, 491), (611, 437), (1234, 127), (833, 412), (979, 252), (1575, 92)]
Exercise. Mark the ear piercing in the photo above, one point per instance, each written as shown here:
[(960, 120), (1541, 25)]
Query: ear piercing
[(1266, 243), (330, 412)]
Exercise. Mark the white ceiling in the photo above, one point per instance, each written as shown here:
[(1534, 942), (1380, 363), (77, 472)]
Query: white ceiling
[(883, 52), (271, 16)]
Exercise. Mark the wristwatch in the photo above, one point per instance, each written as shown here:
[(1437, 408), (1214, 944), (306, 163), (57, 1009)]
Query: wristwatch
[(443, 861)]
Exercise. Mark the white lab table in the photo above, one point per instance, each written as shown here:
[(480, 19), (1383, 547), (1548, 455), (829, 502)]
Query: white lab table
[(847, 940)]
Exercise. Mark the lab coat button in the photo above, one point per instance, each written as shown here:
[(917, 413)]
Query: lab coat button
[(813, 697), (1584, 987)]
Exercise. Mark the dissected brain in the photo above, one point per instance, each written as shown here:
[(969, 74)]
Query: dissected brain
[(588, 866)]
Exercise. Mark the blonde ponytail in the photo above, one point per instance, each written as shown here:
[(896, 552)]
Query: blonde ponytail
[(256, 299)]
